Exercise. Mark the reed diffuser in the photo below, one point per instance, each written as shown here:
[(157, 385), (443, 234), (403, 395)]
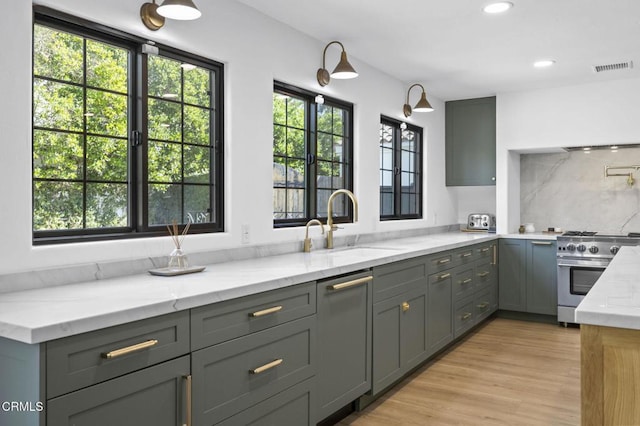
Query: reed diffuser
[(177, 258)]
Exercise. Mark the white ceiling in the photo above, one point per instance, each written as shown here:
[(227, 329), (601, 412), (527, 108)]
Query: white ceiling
[(458, 51)]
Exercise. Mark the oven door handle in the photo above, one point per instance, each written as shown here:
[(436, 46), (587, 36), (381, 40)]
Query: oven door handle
[(584, 265)]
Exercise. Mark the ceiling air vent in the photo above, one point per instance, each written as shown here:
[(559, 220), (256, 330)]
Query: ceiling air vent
[(613, 67)]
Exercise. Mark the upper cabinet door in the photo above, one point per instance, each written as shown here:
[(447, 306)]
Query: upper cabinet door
[(471, 142)]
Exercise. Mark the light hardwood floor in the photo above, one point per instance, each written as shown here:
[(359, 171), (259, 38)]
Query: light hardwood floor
[(506, 373)]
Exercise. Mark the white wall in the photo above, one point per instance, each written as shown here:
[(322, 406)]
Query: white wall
[(601, 113), (255, 50)]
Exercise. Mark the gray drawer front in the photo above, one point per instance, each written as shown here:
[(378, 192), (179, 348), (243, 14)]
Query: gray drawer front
[(463, 281), (76, 362), (220, 322), (464, 256), (398, 277), (153, 396), (483, 304), (485, 274), (223, 384), (463, 316), (441, 261), (291, 407), (484, 251)]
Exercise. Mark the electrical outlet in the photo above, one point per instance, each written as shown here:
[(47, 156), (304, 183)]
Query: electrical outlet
[(245, 237)]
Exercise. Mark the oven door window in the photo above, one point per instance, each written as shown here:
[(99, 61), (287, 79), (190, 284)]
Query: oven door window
[(582, 279)]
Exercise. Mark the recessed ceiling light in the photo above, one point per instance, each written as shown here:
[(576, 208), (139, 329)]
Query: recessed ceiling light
[(544, 63), (498, 7)]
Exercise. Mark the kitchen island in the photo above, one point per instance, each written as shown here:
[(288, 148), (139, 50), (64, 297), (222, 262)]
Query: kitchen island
[(610, 344)]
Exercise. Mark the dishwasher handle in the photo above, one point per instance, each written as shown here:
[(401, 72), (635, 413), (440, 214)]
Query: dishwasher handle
[(348, 284)]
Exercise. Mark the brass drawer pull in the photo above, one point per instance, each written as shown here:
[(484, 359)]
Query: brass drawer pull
[(483, 274), (349, 284), (188, 398), (266, 367), (467, 254), (405, 306), (265, 312), (466, 316), (483, 305), (467, 281), (444, 276), (129, 349), (484, 250), (494, 261), (443, 261), (541, 243)]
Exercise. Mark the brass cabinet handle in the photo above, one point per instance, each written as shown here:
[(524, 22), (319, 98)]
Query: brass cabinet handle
[(444, 276), (466, 316), (483, 274), (483, 305), (484, 250), (541, 243), (467, 281), (443, 261), (129, 349), (265, 312), (188, 398), (349, 284), (405, 306), (495, 255), (266, 367), (467, 254)]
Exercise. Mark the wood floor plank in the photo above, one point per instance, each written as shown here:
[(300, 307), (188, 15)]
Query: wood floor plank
[(508, 372)]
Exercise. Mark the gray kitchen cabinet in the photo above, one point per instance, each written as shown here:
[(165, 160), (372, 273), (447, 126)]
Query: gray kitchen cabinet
[(528, 276), (512, 275), (344, 341), (248, 350), (542, 285), (470, 138), (399, 320), (154, 396)]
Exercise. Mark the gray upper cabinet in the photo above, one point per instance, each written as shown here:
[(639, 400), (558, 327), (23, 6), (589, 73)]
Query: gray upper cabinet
[(471, 142), (344, 341)]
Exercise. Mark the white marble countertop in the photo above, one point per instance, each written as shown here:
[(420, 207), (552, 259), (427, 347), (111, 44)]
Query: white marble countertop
[(39, 315), (532, 236), (614, 301)]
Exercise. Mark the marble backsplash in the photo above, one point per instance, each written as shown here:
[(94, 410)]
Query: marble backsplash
[(569, 190), (104, 270)]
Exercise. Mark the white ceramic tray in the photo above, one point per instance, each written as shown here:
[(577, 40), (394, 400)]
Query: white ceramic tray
[(171, 272)]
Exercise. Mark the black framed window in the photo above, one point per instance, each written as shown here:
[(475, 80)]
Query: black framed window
[(123, 142), (400, 170), (312, 156)]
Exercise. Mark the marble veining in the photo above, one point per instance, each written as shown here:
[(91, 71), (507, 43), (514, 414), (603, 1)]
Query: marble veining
[(614, 301), (41, 314), (569, 190)]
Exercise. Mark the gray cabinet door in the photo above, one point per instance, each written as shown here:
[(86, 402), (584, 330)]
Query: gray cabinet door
[(154, 396), (344, 342), (387, 326), (542, 294), (413, 340), (439, 314), (470, 137), (512, 294)]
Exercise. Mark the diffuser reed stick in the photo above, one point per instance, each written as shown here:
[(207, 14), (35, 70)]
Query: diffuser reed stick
[(176, 236)]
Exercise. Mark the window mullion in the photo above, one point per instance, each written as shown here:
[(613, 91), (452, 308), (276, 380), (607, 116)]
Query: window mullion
[(312, 169), (397, 171)]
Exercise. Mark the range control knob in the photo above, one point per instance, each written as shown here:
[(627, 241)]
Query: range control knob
[(593, 249), (614, 249), (571, 247), (582, 247)]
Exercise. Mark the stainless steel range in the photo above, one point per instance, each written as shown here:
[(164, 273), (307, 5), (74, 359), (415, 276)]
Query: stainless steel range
[(582, 257)]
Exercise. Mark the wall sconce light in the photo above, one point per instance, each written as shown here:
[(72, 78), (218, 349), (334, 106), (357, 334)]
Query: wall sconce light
[(343, 70), (423, 104), (153, 15)]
